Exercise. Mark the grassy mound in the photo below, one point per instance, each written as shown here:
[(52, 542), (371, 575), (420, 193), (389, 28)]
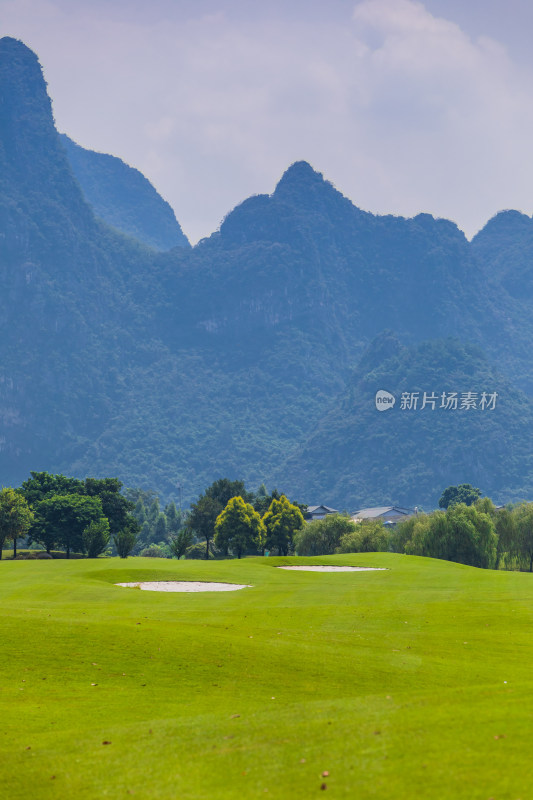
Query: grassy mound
[(410, 682)]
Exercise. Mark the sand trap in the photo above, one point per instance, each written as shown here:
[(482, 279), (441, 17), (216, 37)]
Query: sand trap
[(185, 586), (335, 569)]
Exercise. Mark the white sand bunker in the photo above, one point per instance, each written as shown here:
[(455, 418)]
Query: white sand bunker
[(185, 586), (335, 569)]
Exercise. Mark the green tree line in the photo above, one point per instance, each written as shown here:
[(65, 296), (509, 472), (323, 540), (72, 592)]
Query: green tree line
[(59, 512), (478, 534), (96, 516)]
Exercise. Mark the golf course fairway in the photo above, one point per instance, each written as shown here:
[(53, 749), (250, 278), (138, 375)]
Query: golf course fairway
[(415, 681)]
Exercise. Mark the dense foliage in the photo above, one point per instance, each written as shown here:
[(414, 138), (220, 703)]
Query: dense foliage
[(76, 515), (404, 456), (479, 535), (239, 527), (16, 518), (323, 536), (282, 520), (465, 493)]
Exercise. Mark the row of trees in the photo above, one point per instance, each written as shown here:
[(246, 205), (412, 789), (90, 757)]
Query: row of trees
[(479, 535), (55, 511), (158, 526), (337, 533), (239, 527), (264, 521), (90, 516)]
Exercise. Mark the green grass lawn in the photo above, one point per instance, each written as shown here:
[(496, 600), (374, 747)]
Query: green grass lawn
[(415, 682)]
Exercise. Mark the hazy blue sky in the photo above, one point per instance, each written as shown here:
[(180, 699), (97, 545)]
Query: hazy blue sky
[(405, 106)]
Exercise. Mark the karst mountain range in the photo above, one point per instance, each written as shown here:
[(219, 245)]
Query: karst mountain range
[(257, 353)]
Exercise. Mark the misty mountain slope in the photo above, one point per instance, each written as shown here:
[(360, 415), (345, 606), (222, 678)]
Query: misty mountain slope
[(124, 198), (409, 455), (66, 311)]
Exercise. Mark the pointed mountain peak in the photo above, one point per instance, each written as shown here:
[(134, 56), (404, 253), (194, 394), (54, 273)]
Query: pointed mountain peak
[(33, 163), (507, 223), (26, 120), (299, 177), (307, 191), (22, 82)]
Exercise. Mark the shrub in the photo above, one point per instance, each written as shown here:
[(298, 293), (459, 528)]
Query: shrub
[(125, 540), (96, 537), (153, 551), (180, 543), (368, 537), (461, 533), (321, 537), (43, 554), (198, 551)]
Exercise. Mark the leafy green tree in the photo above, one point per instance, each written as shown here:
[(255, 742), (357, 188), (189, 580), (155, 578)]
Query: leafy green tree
[(505, 526), (145, 536), (411, 536), (463, 493), (96, 537), (461, 533), (173, 518), (202, 518), (61, 520), (180, 543), (403, 533), (153, 511), (160, 530), (370, 536), (44, 484), (197, 551), (486, 506), (125, 539), (139, 512), (523, 541), (281, 521), (261, 492), (322, 536), (16, 517), (472, 537), (263, 500), (223, 490), (115, 506), (146, 497), (239, 527)]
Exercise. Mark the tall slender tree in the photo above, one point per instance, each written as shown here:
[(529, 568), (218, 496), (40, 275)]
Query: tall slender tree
[(281, 521), (16, 518)]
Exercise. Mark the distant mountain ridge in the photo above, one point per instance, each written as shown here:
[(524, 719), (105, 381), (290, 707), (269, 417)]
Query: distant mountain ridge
[(124, 198), (255, 353)]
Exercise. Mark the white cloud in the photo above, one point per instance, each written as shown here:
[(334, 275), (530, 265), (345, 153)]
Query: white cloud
[(400, 108)]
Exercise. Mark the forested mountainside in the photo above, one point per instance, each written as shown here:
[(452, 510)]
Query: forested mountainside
[(505, 248), (122, 197), (448, 417), (233, 357)]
